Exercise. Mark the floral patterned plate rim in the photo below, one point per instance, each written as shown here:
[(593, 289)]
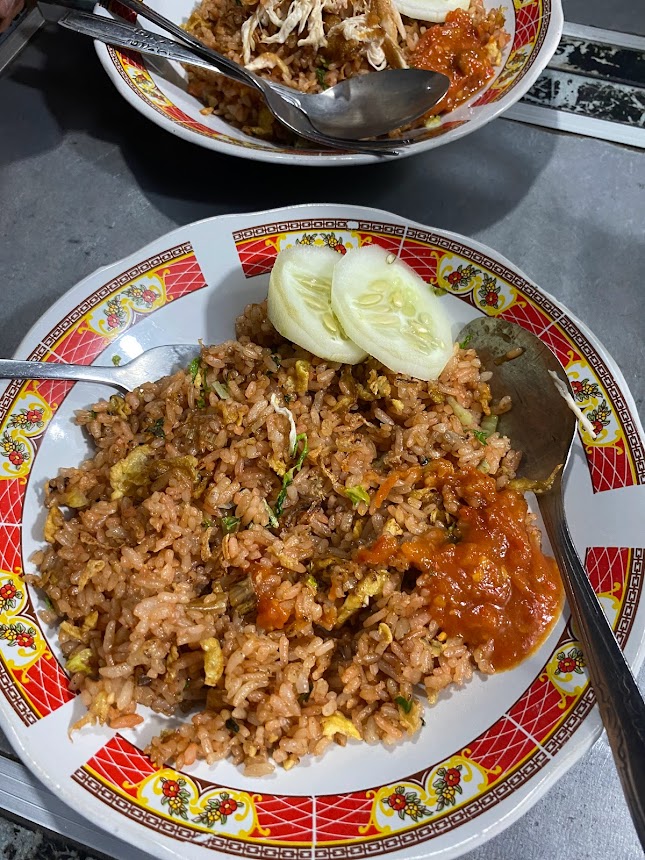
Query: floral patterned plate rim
[(489, 750), (159, 91)]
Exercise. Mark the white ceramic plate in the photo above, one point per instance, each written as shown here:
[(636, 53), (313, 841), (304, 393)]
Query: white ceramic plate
[(502, 740), (157, 89)]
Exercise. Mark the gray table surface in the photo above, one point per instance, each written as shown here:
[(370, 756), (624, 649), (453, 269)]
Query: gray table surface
[(84, 180)]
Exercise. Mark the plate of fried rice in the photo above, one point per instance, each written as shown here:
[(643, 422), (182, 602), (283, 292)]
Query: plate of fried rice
[(277, 605), (492, 52)]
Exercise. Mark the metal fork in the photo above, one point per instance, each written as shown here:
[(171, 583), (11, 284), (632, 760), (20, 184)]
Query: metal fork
[(150, 365)]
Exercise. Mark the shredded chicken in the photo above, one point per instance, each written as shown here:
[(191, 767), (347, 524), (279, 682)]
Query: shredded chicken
[(306, 18), (269, 61)]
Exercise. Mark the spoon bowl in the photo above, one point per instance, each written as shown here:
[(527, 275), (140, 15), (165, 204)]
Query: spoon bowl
[(542, 426), (363, 106)]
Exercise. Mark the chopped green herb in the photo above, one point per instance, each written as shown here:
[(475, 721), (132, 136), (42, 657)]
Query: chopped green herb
[(289, 397), (300, 438), (404, 704), (464, 343), (303, 698), (323, 62), (439, 291), (320, 77), (157, 429), (206, 523), (231, 725), (221, 390), (193, 368), (480, 436), (311, 582), (200, 403), (93, 414), (289, 475), (277, 359), (357, 494), (273, 520), (230, 524), (116, 360)]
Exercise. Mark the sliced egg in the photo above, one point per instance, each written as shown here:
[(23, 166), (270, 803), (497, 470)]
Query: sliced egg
[(391, 313), (429, 10), (299, 303)]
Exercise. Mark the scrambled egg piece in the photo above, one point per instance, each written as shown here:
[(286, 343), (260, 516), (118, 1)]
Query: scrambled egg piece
[(91, 568), (130, 473), (370, 586), (339, 725), (80, 662), (213, 661), (53, 522)]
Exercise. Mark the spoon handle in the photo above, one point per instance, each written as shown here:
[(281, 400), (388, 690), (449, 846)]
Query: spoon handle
[(10, 369), (125, 35), (620, 702), (224, 65)]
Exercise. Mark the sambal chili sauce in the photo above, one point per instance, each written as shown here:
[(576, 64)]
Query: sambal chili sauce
[(489, 580), (455, 49)]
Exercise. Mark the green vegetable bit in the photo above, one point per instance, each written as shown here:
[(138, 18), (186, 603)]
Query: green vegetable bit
[(193, 368), (489, 424), (231, 725), (221, 390), (464, 343), (157, 429), (273, 520), (116, 360), (357, 494), (320, 77), (311, 582), (303, 698), (480, 436), (404, 704), (289, 475), (230, 524)]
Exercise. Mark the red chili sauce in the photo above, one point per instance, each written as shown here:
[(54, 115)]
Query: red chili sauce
[(494, 583), (455, 49)]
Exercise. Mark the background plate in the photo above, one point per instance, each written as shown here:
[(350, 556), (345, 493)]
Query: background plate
[(157, 89)]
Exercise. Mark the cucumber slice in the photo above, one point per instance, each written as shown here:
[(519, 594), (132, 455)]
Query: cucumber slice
[(299, 303), (390, 312)]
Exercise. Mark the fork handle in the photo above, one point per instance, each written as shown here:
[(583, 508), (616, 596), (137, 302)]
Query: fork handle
[(10, 369), (619, 700)]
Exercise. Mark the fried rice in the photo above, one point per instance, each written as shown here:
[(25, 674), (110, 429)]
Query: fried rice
[(201, 563), (311, 45)]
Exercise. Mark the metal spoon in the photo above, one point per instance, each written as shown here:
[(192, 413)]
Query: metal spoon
[(150, 365), (363, 106), (125, 35), (541, 425)]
